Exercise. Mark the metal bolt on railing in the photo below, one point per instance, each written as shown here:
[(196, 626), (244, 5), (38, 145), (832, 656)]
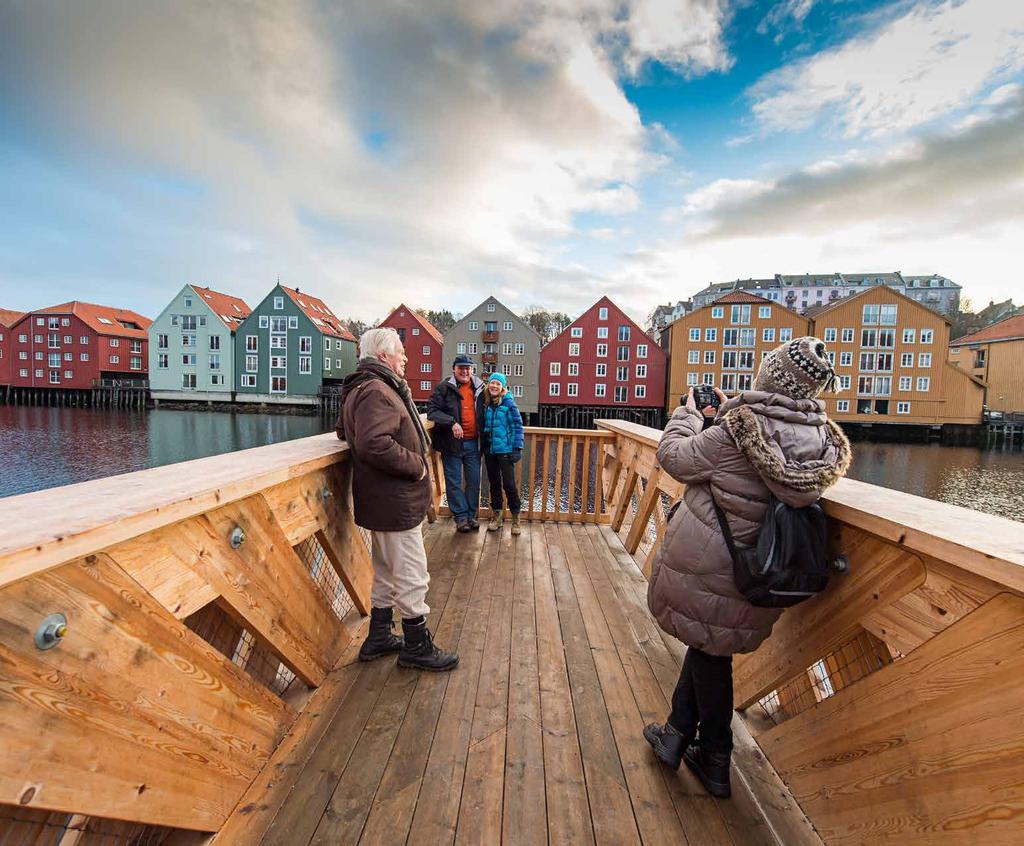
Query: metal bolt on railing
[(326, 493), (237, 537), (841, 565), (51, 631)]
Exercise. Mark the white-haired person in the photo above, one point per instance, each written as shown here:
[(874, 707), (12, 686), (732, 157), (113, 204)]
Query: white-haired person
[(391, 493)]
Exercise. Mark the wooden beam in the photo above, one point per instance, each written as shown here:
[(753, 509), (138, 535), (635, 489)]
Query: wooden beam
[(648, 502), (342, 541)]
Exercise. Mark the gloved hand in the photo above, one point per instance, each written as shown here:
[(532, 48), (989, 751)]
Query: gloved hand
[(517, 455)]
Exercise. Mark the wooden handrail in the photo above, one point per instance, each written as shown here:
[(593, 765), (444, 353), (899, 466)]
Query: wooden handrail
[(890, 704)]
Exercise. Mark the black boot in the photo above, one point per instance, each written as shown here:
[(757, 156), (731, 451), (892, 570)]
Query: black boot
[(419, 651), (379, 640), (668, 744), (712, 768)]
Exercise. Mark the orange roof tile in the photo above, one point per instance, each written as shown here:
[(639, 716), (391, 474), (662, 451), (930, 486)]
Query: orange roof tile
[(1004, 330), (231, 310), (106, 320), (743, 297), (8, 317), (316, 310), (425, 324)]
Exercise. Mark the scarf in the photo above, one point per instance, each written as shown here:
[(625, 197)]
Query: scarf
[(371, 368)]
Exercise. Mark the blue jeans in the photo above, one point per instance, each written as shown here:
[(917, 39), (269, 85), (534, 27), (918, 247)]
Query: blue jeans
[(463, 503)]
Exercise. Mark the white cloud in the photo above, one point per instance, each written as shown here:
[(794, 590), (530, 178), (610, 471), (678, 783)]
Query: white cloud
[(930, 61)]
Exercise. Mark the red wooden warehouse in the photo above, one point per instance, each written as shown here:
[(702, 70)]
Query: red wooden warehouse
[(602, 365), (7, 319), (422, 347), (75, 344)]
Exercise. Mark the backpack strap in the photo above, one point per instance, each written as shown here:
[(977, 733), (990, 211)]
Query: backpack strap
[(724, 525)]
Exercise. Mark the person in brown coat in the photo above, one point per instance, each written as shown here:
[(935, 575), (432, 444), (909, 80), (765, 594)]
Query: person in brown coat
[(774, 439), (391, 493)]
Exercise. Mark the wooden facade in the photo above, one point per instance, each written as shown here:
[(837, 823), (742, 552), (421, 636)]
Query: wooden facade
[(76, 345), (7, 319), (206, 679), (723, 343), (423, 347), (603, 358), (890, 354), (994, 355)]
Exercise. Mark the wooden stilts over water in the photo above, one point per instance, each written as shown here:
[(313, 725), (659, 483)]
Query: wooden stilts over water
[(203, 684)]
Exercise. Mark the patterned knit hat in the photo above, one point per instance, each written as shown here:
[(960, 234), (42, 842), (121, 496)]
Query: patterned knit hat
[(799, 369)]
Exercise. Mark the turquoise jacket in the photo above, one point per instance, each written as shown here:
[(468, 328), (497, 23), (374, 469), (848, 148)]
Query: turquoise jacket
[(501, 427)]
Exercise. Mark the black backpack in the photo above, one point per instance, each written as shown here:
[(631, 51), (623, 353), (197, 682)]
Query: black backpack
[(788, 564)]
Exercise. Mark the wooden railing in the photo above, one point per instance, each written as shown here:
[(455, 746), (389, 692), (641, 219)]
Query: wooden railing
[(190, 610), (560, 476), (891, 705)]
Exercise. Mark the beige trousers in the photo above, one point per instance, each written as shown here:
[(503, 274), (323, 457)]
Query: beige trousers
[(400, 577)]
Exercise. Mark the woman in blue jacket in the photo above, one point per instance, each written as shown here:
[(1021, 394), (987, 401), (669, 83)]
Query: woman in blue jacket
[(501, 441)]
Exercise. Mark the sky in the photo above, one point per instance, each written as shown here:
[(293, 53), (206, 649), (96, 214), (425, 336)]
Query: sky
[(547, 153)]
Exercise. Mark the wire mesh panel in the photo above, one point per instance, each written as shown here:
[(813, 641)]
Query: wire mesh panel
[(242, 647), (323, 574), (29, 827), (859, 657)]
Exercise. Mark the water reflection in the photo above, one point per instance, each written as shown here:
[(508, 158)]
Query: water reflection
[(983, 479), (46, 447)]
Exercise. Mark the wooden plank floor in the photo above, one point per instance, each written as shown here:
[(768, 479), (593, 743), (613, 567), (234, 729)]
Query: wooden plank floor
[(536, 737)]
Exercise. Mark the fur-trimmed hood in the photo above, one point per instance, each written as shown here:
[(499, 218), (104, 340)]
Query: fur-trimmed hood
[(763, 427)]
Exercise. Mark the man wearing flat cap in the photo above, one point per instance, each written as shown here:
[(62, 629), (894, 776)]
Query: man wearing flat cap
[(452, 409)]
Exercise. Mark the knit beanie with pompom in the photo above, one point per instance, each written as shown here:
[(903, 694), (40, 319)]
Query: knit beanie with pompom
[(799, 369)]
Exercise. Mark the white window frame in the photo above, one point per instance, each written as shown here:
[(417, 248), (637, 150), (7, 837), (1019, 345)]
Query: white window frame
[(600, 390), (473, 326), (491, 307), (247, 380), (764, 312), (847, 336), (927, 336), (843, 406), (640, 391), (709, 357), (520, 349), (846, 359), (641, 371), (576, 332), (507, 326), (641, 350), (830, 335), (264, 321), (282, 382), (924, 384), (692, 379), (425, 385), (902, 407), (572, 389), (602, 313), (695, 334), (602, 351), (305, 365), (555, 368), (601, 371), (717, 312), (278, 303), (909, 335), (693, 356), (768, 335), (572, 369), (924, 359), (555, 389)]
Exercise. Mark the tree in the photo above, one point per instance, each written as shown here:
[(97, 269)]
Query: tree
[(546, 323), (357, 327), (442, 320)]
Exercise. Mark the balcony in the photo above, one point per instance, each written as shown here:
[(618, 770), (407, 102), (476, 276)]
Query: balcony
[(489, 357), (207, 681), (489, 337)]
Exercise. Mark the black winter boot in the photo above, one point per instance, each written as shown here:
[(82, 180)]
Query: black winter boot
[(379, 640), (668, 744), (419, 651), (712, 768)]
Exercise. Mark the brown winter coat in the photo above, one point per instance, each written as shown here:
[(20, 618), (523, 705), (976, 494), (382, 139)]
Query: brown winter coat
[(761, 442), (389, 489)]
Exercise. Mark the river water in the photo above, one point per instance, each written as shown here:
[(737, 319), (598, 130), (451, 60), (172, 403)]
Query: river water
[(47, 447)]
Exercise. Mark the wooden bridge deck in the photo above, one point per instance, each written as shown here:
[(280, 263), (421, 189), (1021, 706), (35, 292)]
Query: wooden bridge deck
[(535, 738)]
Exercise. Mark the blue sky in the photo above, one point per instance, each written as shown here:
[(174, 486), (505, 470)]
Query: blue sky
[(546, 153)]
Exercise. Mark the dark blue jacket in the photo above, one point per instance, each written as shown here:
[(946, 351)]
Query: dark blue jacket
[(501, 427)]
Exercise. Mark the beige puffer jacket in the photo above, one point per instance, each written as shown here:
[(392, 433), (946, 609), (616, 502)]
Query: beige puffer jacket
[(761, 442)]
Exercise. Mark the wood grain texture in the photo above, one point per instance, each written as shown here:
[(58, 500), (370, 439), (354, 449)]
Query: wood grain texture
[(927, 749), (341, 539)]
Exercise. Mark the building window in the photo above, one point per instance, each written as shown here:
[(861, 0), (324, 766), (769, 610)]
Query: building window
[(135, 346), (572, 389), (641, 350), (278, 303), (623, 354), (305, 364), (574, 368), (576, 332), (252, 363), (217, 379), (842, 405), (460, 348), (188, 340), (695, 334), (711, 335), (518, 369), (506, 326), (740, 315), (116, 359), (602, 331), (517, 390), (555, 368), (768, 335), (640, 391), (471, 348), (869, 314), (692, 379), (844, 383), (869, 337), (906, 359), (744, 382), (135, 362), (905, 383), (555, 389), (903, 408), (278, 384), (161, 361), (67, 339), (867, 362), (764, 312), (709, 379), (927, 336), (923, 383), (602, 350), (506, 349), (887, 315), (188, 381), (54, 359), (415, 331), (425, 386), (729, 359), (848, 336), (161, 342), (601, 371), (426, 367), (264, 321), (641, 371), (785, 335), (845, 359), (520, 349), (728, 382), (829, 336), (621, 393), (506, 369), (692, 356), (83, 357), (600, 390), (709, 357), (214, 361), (247, 381), (717, 312), (23, 372), (621, 374), (623, 333), (602, 313), (908, 336), (730, 337), (924, 360), (84, 340), (474, 326), (327, 363), (39, 374), (490, 307), (67, 356), (115, 342)]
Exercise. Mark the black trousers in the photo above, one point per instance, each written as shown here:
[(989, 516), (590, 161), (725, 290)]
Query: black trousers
[(501, 474), (703, 699)]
